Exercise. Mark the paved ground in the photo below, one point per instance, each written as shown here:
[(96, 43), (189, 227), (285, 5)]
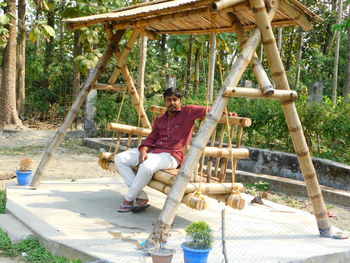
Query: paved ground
[(79, 219)]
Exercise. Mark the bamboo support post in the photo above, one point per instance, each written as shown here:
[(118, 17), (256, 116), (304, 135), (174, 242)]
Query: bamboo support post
[(219, 5), (74, 109), (129, 129), (292, 119), (283, 95), (115, 87), (123, 56), (135, 98), (221, 140)]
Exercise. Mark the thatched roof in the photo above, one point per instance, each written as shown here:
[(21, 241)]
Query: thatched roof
[(195, 16)]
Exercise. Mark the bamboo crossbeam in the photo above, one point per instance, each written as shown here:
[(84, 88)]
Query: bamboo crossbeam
[(114, 87), (239, 153), (296, 15), (74, 109), (233, 200), (219, 5), (282, 95), (124, 55), (108, 156), (238, 121), (150, 35), (293, 121), (190, 200), (128, 129)]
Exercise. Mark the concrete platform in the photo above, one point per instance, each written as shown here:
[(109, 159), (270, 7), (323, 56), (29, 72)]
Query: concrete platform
[(79, 219)]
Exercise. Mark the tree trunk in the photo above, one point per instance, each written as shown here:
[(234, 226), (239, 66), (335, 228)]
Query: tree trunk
[(346, 91), (21, 46), (196, 71), (77, 50), (279, 39), (8, 111), (189, 64), (49, 47), (299, 54), (141, 69), (336, 55), (290, 49), (212, 63)]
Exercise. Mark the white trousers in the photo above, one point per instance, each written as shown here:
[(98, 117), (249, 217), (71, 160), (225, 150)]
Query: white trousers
[(124, 162)]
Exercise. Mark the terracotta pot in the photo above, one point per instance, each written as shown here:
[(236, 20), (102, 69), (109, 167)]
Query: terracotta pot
[(161, 255)]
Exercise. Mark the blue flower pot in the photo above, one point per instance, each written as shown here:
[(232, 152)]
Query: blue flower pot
[(192, 255), (24, 177)]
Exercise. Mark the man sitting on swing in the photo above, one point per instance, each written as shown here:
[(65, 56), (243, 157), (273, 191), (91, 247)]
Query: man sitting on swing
[(162, 149)]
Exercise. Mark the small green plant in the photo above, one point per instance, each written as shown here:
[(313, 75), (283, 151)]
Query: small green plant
[(2, 201), (34, 253), (200, 234)]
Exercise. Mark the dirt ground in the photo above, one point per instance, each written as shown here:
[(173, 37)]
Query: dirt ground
[(74, 161)]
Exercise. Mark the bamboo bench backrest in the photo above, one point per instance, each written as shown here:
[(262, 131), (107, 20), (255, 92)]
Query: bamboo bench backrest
[(216, 154)]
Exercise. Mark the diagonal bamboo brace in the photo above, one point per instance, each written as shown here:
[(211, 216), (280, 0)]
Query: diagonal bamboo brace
[(292, 119), (76, 105), (124, 55)]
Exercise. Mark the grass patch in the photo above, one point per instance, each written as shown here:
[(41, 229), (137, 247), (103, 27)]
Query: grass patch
[(2, 201), (30, 250), (22, 150)]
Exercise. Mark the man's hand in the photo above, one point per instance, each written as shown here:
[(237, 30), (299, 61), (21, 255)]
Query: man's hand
[(143, 154), (230, 114)]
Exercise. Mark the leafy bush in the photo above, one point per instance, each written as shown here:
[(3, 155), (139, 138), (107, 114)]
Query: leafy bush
[(200, 234)]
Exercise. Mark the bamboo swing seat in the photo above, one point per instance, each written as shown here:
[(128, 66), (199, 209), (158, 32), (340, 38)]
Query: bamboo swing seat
[(212, 183)]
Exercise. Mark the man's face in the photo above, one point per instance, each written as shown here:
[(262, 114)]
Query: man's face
[(172, 103)]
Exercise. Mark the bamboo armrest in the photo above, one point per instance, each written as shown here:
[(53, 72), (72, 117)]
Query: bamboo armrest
[(238, 121)]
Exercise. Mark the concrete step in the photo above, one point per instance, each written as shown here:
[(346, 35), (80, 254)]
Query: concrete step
[(16, 231)]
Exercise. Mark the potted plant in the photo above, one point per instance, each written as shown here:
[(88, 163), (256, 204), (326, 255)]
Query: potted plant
[(24, 172), (199, 246), (159, 253)]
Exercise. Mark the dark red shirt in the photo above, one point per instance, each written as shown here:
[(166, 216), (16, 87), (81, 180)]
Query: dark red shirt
[(171, 133)]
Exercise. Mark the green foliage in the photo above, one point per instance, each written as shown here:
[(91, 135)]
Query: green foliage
[(2, 201), (258, 186), (35, 253), (200, 234)]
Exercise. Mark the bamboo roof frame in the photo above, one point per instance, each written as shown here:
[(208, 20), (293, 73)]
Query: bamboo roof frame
[(194, 16)]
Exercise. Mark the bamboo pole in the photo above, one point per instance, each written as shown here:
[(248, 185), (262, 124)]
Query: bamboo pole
[(282, 95), (115, 87), (233, 200), (135, 99), (293, 121), (128, 129), (237, 121), (56, 141), (259, 72), (190, 200), (219, 5), (123, 56)]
